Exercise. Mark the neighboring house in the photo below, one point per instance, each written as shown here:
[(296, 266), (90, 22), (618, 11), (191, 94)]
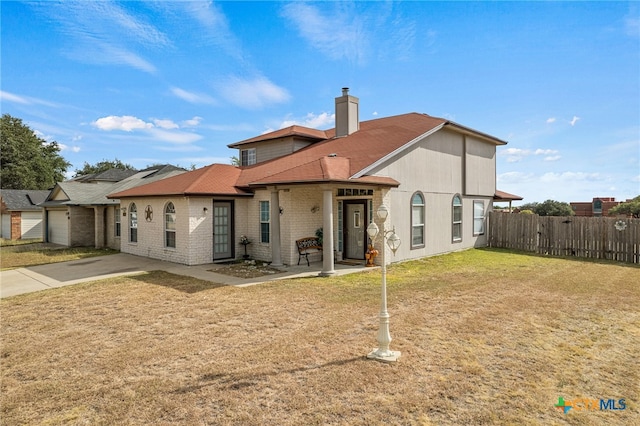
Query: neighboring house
[(599, 206), (437, 178), (78, 213), (21, 215)]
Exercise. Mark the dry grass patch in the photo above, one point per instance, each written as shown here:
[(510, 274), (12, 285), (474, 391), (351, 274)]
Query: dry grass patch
[(247, 269), (486, 338), (21, 256), (11, 243)]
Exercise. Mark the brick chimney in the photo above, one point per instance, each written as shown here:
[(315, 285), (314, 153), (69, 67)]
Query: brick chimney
[(347, 114)]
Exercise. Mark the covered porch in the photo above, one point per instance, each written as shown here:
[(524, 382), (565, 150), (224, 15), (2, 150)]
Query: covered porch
[(341, 211)]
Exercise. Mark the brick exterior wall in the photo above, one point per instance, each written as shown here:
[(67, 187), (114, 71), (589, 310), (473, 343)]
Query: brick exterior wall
[(151, 241), (81, 227), (16, 225)]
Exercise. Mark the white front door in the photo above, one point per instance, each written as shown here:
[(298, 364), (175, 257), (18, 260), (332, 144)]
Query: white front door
[(222, 230)]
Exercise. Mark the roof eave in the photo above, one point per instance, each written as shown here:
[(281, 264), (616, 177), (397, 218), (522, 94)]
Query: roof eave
[(387, 182), (472, 132)]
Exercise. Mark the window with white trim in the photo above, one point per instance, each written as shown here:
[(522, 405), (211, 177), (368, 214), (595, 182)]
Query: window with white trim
[(417, 220), (264, 222), (478, 217), (247, 157), (456, 213), (133, 223), (170, 225), (117, 221)]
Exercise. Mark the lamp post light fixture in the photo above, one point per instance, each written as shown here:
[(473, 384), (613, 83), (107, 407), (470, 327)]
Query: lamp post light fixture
[(383, 353)]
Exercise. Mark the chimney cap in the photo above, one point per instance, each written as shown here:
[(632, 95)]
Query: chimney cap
[(345, 91)]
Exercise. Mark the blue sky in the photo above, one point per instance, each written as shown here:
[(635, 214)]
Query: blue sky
[(175, 82)]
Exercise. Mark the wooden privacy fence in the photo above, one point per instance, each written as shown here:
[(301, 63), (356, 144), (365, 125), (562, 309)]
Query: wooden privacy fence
[(590, 237)]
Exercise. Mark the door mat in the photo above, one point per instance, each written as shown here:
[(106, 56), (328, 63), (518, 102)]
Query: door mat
[(351, 262)]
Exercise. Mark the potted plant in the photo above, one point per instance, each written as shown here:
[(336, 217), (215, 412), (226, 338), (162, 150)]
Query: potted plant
[(371, 254), (245, 242)]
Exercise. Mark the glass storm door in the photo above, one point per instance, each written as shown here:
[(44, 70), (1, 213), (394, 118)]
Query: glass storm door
[(222, 227), (355, 230)]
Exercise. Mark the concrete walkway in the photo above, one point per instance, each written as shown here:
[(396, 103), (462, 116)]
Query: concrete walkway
[(36, 278)]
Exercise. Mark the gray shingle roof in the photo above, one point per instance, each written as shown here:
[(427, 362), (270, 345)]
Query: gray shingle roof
[(82, 193), (111, 175), (20, 200)]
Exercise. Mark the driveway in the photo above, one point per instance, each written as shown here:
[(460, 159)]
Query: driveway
[(43, 277)]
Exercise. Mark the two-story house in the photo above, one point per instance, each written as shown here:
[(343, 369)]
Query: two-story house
[(436, 177)]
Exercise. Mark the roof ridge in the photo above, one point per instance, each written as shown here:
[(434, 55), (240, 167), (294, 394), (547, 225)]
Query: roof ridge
[(204, 173)]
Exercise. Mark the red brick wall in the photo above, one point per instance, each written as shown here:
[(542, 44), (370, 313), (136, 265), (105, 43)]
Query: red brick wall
[(16, 225)]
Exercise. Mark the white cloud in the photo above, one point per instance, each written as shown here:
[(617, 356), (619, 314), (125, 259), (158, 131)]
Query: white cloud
[(179, 148), (43, 136), (64, 147), (104, 32), (165, 124), (552, 177), (24, 100), (312, 120), (10, 97), (174, 137), (126, 123), (635, 179), (339, 35), (215, 26), (160, 130), (545, 151), (632, 25), (252, 94), (517, 154), (551, 120), (110, 54), (574, 120), (192, 122), (194, 98), (515, 177)]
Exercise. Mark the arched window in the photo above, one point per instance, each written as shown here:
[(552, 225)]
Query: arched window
[(417, 220), (170, 225), (133, 223), (456, 213)]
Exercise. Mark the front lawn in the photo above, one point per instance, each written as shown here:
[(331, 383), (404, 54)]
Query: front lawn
[(487, 337), (21, 256)]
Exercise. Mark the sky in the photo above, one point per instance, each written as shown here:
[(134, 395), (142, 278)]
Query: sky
[(176, 82)]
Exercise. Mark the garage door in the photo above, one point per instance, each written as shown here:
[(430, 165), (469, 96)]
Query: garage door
[(31, 225), (6, 226), (58, 227)]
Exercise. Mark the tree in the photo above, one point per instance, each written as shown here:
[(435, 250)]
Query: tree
[(628, 208), (102, 166), (28, 161), (549, 208)]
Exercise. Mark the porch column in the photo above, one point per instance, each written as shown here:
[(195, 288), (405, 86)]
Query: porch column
[(327, 233), (276, 246), (98, 232)]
